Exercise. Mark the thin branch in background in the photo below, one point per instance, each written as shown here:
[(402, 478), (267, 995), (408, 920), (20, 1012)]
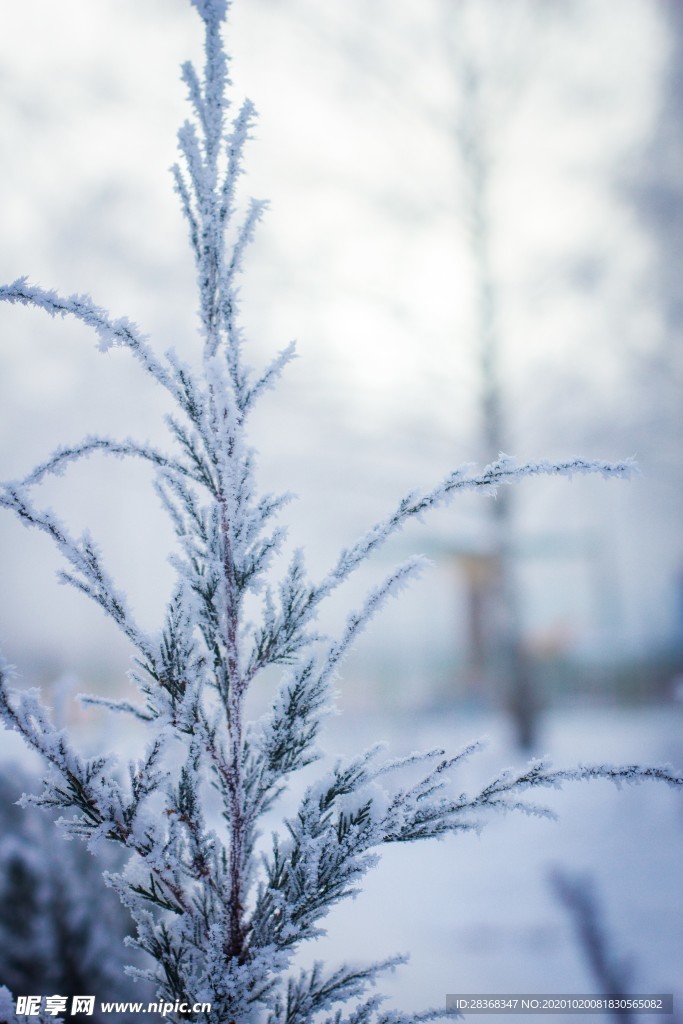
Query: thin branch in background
[(611, 974)]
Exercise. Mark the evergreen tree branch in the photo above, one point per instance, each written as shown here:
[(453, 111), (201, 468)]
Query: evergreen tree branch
[(504, 471), (83, 556), (110, 332), (64, 456), (313, 991), (119, 706)]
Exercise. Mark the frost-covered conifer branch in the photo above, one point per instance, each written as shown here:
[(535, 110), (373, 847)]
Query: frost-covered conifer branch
[(121, 706), (65, 456), (347, 815), (92, 579), (504, 471), (270, 376), (110, 332), (191, 444), (314, 991), (8, 1016), (417, 815), (414, 505), (219, 924), (285, 740), (87, 786)]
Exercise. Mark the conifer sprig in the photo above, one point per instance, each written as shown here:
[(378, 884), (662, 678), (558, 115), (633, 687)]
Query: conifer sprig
[(219, 922)]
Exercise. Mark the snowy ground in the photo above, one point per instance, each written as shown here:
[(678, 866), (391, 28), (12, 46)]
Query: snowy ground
[(477, 913)]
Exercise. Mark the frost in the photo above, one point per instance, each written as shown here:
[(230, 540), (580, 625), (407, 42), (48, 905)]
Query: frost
[(217, 921)]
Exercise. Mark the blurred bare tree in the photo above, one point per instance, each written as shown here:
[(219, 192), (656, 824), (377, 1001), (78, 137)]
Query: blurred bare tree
[(487, 87), (655, 186), (488, 55)]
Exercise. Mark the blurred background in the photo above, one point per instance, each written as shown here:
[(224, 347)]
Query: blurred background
[(475, 236)]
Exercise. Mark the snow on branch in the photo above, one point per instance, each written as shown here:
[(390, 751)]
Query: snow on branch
[(270, 375), (87, 786), (212, 10), (284, 741), (347, 815), (315, 990), (64, 456), (110, 332), (394, 583), (245, 236), (504, 471), (235, 144), (412, 816), (119, 706), (91, 577)]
